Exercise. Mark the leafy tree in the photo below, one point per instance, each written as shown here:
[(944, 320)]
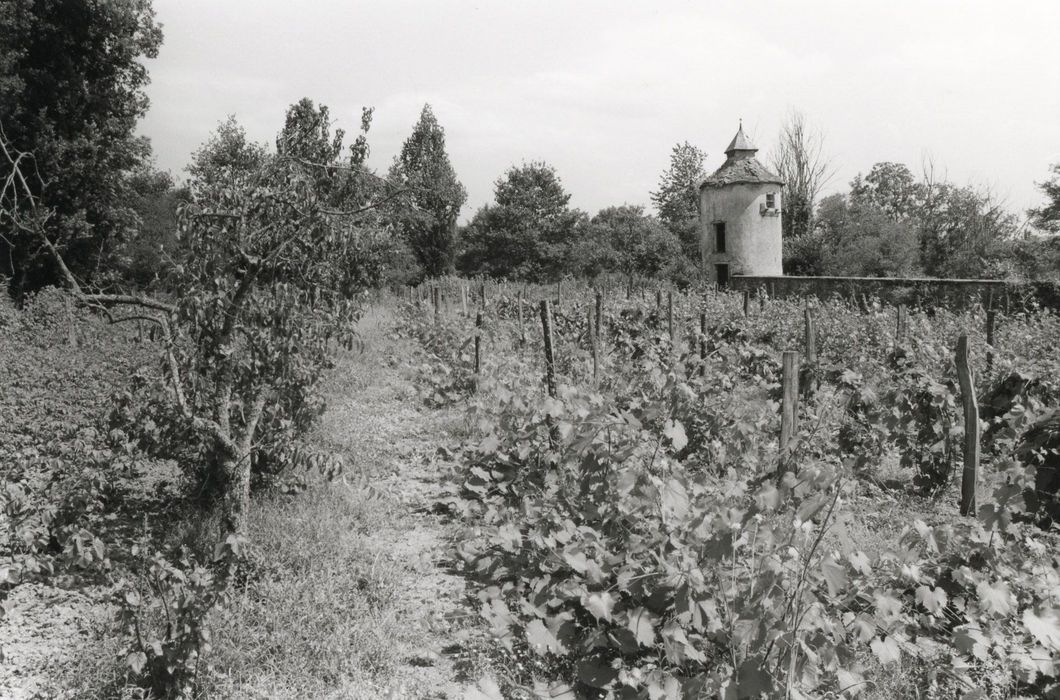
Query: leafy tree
[(627, 240), (150, 251), (890, 187), (864, 241), (427, 214), (964, 232), (269, 276), (529, 230), (1047, 216), (800, 163), (677, 199), (226, 157), (71, 91)]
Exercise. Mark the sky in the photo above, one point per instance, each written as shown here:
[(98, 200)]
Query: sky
[(602, 91)]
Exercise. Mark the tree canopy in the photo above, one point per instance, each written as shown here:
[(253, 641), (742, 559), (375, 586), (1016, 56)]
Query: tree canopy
[(426, 215), (72, 83), (1047, 216), (677, 197), (527, 232)]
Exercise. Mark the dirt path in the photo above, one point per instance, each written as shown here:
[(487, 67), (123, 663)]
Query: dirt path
[(392, 446)]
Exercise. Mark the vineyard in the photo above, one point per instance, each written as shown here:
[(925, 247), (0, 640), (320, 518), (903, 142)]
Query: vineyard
[(660, 499)]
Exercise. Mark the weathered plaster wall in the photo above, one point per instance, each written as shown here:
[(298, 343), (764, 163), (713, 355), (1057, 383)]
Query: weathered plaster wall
[(753, 241)]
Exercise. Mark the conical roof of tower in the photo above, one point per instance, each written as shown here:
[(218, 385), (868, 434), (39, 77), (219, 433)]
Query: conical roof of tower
[(740, 166), (740, 142)]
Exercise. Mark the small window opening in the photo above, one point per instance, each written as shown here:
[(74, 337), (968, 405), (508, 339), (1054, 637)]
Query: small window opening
[(771, 201), (719, 237)]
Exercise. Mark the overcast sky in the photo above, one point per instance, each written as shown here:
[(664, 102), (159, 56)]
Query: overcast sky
[(603, 90)]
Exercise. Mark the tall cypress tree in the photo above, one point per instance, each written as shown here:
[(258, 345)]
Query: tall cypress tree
[(427, 214)]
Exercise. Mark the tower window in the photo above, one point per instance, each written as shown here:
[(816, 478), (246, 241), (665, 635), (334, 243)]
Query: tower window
[(719, 237), (771, 201)]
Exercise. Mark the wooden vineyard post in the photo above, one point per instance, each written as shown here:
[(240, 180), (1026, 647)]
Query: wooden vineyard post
[(789, 409), (658, 306), (436, 294), (703, 344), (478, 349), (550, 358), (522, 327), (550, 366), (599, 312), (591, 335), (482, 294), (746, 302), (810, 338), (463, 300), (971, 428), (990, 320), (670, 316), (900, 325)]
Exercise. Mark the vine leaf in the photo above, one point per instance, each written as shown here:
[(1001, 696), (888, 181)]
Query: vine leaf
[(676, 432), (641, 624), (1044, 627)]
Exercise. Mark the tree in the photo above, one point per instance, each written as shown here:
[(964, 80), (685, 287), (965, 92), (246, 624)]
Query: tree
[(148, 254), (800, 163), (226, 157), (529, 230), (269, 277), (71, 91), (627, 240), (890, 187), (1047, 216), (427, 214), (677, 199), (859, 240), (964, 232)]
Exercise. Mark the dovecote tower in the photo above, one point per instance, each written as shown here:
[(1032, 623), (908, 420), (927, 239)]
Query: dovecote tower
[(739, 216)]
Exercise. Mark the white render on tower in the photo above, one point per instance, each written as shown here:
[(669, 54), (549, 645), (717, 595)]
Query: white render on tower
[(739, 216)]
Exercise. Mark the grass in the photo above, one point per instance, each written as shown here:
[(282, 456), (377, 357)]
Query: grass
[(318, 617)]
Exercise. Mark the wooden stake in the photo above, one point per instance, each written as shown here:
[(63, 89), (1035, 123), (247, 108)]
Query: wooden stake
[(436, 294), (550, 367), (591, 335), (900, 326), (463, 300), (522, 327), (478, 348), (746, 302), (971, 428), (990, 319), (550, 358), (482, 294), (670, 316), (599, 312), (703, 344), (810, 338), (789, 409)]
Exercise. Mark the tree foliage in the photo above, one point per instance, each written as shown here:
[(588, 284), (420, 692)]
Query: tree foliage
[(527, 232), (677, 197), (71, 91), (273, 260), (1047, 216), (624, 239), (427, 214), (889, 187)]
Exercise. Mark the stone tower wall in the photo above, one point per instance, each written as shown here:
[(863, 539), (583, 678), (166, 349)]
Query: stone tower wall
[(753, 240)]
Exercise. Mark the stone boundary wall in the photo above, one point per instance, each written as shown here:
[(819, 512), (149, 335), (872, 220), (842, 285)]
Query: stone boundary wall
[(910, 291)]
